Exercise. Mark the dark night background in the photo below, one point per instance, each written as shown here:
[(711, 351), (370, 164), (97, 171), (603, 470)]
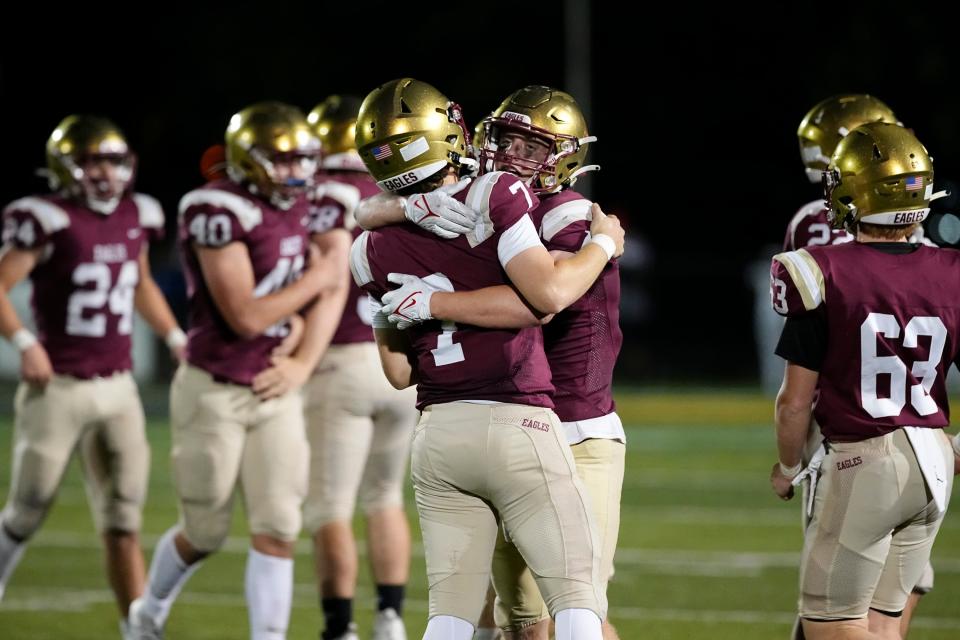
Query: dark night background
[(695, 110)]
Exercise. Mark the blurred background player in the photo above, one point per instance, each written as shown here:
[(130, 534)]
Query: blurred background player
[(235, 409), (487, 440), (85, 247), (819, 133), (358, 425), (540, 135), (885, 478)]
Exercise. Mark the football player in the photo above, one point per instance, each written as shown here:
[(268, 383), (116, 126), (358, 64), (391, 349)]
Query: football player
[(85, 248), (872, 326), (488, 447), (236, 413), (358, 425), (540, 135), (820, 130)]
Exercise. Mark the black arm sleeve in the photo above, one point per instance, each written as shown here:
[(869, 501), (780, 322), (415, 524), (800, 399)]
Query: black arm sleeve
[(804, 340)]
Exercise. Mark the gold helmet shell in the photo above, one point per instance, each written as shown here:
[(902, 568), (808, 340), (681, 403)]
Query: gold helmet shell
[(408, 131), (79, 138), (829, 121), (879, 174), (334, 122), (551, 115), (258, 136)]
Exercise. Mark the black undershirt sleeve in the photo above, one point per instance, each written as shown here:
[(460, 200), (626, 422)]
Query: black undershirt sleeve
[(803, 340)]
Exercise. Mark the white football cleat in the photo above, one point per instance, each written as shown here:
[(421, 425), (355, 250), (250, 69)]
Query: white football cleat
[(349, 634), (141, 626), (388, 626)]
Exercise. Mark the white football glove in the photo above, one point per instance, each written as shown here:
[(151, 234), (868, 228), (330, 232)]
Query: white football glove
[(410, 304), (440, 213)]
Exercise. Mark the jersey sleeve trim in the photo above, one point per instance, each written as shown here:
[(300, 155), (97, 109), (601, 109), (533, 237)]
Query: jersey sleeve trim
[(517, 239), (346, 194), (806, 276), (359, 262), (49, 216), (149, 210), (562, 216), (247, 213), (478, 199)]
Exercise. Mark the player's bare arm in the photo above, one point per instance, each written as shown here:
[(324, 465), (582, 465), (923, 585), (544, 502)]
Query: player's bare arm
[(228, 274), (319, 324), (793, 411), (437, 211), (149, 302), (396, 357), (15, 265), (549, 284), (500, 307), (380, 210)]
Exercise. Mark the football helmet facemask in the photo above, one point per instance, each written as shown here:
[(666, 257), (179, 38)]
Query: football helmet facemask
[(272, 150), (88, 159), (539, 134)]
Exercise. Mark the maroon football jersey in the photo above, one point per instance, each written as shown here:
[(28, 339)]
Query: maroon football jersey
[(893, 322), (457, 362), (332, 206), (582, 341), (809, 227), (84, 283), (215, 215)]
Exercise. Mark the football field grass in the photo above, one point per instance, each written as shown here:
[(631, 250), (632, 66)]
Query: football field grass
[(706, 550)]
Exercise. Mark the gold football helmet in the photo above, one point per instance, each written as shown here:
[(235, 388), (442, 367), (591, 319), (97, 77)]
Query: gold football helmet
[(829, 121), (334, 121), (272, 149), (88, 158), (407, 131), (550, 116), (880, 174)]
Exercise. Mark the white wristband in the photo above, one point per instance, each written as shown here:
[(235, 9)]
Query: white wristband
[(791, 472), (23, 339), (606, 243), (176, 339)]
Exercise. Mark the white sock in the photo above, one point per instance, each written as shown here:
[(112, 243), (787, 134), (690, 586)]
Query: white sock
[(269, 589), (11, 552), (168, 574), (448, 628), (487, 634), (578, 624)]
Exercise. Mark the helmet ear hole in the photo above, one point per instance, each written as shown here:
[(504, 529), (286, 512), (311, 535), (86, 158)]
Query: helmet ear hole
[(404, 107), (876, 153)]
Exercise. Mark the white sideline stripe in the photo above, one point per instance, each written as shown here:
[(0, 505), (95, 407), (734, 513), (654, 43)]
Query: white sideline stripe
[(679, 561), (305, 598)]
